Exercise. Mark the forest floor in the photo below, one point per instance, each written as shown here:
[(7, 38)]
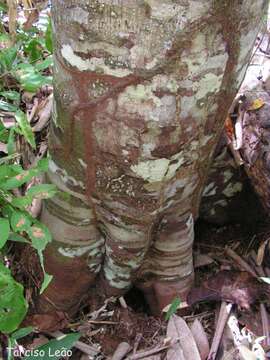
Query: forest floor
[(223, 254), (230, 314)]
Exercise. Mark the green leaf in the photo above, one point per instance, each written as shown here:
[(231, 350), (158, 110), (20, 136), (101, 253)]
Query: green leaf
[(13, 306), (39, 235), (4, 231), (42, 191), (46, 281), (18, 180), (6, 196), (3, 6), (21, 333), (20, 222), (22, 202), (5, 106), (43, 164), (21, 119), (43, 65), (11, 145), (18, 238), (30, 79), (173, 308), (7, 57), (48, 37), (34, 50), (11, 95), (47, 278), (4, 269), (54, 347), (7, 171), (8, 158), (11, 345), (4, 135)]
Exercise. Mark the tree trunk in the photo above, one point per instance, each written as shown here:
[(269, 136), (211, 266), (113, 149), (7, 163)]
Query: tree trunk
[(142, 89)]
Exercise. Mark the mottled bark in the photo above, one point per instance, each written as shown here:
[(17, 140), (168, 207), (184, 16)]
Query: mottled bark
[(142, 89)]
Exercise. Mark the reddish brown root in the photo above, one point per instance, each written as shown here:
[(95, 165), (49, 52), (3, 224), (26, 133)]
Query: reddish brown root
[(159, 294), (69, 287)]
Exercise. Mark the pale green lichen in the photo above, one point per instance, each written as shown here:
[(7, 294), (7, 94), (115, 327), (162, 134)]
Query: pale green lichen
[(93, 64), (210, 83), (165, 11), (72, 252), (210, 190), (232, 189), (227, 175), (159, 169), (152, 170)]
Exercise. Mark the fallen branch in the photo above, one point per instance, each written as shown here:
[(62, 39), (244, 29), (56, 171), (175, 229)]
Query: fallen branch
[(223, 316), (143, 354), (240, 262), (265, 324), (121, 351)]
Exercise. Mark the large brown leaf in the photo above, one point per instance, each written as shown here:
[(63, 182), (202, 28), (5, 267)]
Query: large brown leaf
[(200, 338), (187, 349)]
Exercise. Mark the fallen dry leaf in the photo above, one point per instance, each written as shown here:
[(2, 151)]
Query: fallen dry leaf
[(44, 114), (175, 352), (237, 287), (178, 329), (200, 338), (256, 104), (47, 322), (261, 252), (202, 260), (246, 354)]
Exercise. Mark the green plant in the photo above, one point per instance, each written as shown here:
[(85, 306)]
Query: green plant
[(24, 66), (16, 224), (16, 335), (53, 349), (173, 308)]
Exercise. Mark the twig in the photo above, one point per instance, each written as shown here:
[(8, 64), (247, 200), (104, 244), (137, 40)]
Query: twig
[(236, 155), (104, 322), (85, 348), (238, 131), (265, 324), (224, 313), (143, 354), (253, 260), (264, 316), (33, 111), (240, 262), (123, 302), (137, 343), (44, 114), (121, 351)]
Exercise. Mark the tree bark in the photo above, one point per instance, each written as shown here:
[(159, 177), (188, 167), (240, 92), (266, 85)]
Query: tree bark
[(142, 89)]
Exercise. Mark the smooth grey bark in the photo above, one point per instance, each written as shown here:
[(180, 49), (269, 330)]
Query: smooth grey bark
[(142, 89)]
